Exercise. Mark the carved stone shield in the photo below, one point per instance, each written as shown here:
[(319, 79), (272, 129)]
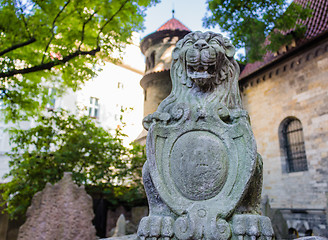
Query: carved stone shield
[(207, 163)]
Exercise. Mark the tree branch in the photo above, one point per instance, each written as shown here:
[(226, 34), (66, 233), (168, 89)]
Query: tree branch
[(52, 30), (25, 24), (83, 28), (32, 40), (109, 20), (49, 65)]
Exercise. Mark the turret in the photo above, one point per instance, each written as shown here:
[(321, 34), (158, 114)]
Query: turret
[(157, 48)]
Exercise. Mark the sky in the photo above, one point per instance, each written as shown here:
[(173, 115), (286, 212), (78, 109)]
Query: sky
[(188, 12)]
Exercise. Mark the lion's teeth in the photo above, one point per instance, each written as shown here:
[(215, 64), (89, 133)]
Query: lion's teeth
[(199, 75)]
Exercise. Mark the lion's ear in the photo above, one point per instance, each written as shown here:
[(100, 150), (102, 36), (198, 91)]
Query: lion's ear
[(230, 50), (175, 53)]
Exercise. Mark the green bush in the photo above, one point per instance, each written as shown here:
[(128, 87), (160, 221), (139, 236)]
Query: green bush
[(62, 142)]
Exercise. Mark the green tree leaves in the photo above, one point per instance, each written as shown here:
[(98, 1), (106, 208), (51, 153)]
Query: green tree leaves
[(62, 142), (57, 43), (258, 25)]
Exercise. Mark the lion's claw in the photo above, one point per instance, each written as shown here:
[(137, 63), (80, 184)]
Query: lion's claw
[(155, 227), (252, 227)]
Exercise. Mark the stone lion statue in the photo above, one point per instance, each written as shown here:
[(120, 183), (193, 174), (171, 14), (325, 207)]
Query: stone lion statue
[(203, 175)]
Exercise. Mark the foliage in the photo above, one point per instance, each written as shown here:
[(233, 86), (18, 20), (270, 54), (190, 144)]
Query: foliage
[(62, 142), (58, 44), (258, 25)]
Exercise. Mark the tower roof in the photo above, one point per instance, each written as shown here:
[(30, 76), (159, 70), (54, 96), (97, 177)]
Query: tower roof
[(173, 24), (171, 28), (318, 22)]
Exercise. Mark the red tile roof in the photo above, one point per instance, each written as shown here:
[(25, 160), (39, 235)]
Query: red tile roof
[(173, 24), (316, 25)]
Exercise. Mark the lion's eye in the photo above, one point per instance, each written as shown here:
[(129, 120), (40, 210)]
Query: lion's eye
[(213, 42), (188, 43)]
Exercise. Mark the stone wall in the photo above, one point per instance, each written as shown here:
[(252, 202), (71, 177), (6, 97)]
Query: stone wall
[(296, 87)]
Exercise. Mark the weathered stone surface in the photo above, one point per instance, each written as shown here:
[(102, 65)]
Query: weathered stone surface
[(279, 224), (120, 229), (60, 211), (132, 217), (112, 217), (203, 176), (126, 237), (313, 238)]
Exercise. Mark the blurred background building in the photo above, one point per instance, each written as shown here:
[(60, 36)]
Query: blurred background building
[(113, 95)]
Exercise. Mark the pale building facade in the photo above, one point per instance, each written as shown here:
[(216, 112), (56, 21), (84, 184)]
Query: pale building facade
[(116, 87)]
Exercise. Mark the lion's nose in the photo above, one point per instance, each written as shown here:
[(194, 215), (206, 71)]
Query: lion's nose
[(201, 44)]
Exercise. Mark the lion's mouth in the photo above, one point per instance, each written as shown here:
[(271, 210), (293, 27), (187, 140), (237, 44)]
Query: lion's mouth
[(196, 71)]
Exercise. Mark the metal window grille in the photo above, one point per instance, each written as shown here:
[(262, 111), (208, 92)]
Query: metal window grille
[(294, 146)]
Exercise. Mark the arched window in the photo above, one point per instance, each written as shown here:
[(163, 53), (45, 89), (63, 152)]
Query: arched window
[(292, 145)]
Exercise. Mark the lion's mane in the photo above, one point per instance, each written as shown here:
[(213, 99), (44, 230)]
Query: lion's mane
[(202, 92)]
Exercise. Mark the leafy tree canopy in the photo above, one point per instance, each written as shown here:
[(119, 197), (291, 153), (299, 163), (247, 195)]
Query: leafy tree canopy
[(62, 142), (57, 44), (251, 23)]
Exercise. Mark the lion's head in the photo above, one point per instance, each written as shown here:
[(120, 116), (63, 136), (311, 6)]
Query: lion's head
[(204, 61), (204, 78), (203, 56)]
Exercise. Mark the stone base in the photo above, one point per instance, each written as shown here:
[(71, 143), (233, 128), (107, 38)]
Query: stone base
[(312, 238), (127, 237), (135, 237)]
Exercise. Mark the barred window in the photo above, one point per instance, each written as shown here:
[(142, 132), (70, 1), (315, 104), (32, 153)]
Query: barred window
[(292, 144)]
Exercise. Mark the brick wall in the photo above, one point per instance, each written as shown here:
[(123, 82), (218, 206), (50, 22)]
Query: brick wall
[(297, 87)]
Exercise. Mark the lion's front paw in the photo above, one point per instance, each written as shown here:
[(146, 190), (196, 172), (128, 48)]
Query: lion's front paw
[(248, 226), (155, 227)]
